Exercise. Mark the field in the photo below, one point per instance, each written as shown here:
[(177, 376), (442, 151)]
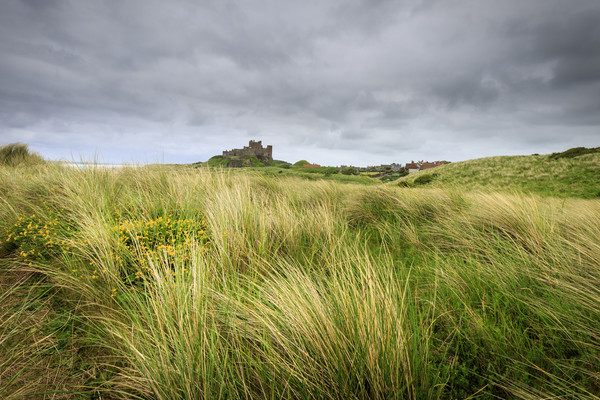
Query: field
[(192, 283)]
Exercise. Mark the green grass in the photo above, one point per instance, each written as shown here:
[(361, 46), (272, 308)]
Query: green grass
[(216, 162), (570, 174), (191, 283), (300, 163)]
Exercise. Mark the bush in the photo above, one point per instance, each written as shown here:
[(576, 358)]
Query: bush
[(574, 152), (402, 171), (349, 171), (425, 179), (18, 154), (145, 241)]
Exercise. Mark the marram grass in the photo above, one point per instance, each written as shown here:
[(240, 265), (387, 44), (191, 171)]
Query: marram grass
[(191, 284), (577, 175)]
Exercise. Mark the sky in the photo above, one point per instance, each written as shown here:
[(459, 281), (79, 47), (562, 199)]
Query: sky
[(356, 82)]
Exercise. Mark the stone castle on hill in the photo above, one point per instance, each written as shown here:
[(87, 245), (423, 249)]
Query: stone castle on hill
[(254, 148)]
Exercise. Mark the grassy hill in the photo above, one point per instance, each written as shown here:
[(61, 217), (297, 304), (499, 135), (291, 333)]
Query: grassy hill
[(570, 175)]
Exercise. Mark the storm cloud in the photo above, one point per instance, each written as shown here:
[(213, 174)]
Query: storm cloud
[(333, 81)]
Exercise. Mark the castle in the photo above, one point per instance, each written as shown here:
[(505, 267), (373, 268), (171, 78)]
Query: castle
[(254, 148)]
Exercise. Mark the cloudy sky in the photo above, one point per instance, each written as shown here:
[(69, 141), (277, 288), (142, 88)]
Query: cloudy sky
[(333, 81)]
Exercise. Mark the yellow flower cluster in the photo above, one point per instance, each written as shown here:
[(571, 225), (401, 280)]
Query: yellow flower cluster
[(38, 236), (149, 240)]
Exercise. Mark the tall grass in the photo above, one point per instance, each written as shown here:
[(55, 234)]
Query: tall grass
[(16, 154), (207, 284)]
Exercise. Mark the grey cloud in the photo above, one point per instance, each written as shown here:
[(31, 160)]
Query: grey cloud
[(569, 38), (470, 89), (388, 76)]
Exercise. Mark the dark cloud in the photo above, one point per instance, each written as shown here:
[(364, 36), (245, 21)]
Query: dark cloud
[(560, 48), (357, 81)]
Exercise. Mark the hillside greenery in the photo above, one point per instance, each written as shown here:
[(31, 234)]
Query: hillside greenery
[(215, 162), (300, 163), (223, 162), (202, 283), (573, 173)]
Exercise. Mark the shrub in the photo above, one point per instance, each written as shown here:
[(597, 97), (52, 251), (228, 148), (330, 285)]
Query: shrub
[(145, 240), (18, 154), (39, 236), (574, 152), (349, 171), (425, 179), (402, 171)]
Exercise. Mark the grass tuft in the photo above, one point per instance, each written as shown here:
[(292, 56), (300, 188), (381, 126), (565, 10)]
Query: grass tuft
[(18, 154)]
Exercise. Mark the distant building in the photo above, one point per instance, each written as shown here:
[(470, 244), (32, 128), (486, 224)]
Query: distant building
[(412, 167), (427, 165), (310, 165), (422, 165), (254, 148)]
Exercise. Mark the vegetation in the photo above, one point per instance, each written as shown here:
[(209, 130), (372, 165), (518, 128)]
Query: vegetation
[(574, 152), (311, 174), (18, 154), (321, 170), (224, 162), (423, 179), (254, 161), (280, 164), (215, 162), (348, 171), (574, 173), (300, 163), (163, 283)]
